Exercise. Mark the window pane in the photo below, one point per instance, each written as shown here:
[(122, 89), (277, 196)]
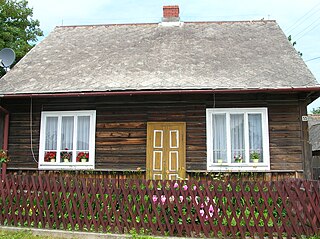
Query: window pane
[(237, 137), (67, 132), (83, 133), (219, 138), (51, 133), (255, 137)]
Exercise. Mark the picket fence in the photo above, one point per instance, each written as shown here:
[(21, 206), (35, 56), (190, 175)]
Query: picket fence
[(281, 209)]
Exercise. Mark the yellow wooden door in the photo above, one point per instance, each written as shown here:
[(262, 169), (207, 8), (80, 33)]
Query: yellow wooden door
[(166, 146)]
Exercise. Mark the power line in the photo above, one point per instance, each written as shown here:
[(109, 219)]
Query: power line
[(309, 30), (318, 11), (294, 25), (313, 59)]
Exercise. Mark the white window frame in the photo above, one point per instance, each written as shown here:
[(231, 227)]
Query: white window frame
[(67, 165), (245, 166)]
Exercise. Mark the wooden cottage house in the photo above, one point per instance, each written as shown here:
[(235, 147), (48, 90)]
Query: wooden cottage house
[(314, 139), (167, 99)]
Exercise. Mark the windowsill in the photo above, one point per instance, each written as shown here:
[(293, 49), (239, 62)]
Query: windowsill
[(66, 166), (224, 167)]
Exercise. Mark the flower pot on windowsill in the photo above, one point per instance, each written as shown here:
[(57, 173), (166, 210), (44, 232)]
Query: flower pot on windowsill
[(239, 161), (83, 160), (220, 161), (255, 160), (52, 160), (66, 160)]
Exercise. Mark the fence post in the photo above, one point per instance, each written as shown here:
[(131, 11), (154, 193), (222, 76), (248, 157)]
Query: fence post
[(3, 171)]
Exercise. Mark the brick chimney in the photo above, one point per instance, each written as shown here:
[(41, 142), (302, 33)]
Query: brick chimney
[(171, 14)]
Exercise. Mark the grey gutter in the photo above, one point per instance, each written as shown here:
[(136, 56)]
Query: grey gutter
[(159, 92)]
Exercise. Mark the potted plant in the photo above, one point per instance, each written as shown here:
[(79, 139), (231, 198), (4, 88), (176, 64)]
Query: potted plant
[(66, 156), (4, 159), (82, 157), (220, 161), (238, 158), (50, 156), (255, 156)]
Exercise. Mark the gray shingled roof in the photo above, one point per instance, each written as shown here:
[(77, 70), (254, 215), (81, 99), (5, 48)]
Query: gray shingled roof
[(211, 55), (314, 137), (314, 131)]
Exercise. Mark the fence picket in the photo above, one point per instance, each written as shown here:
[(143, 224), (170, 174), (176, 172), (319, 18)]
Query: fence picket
[(282, 209)]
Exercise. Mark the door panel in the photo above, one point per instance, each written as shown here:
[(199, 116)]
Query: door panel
[(166, 150), (157, 160)]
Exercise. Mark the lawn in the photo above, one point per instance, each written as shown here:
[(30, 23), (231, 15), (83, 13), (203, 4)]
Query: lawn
[(23, 235), (28, 235)]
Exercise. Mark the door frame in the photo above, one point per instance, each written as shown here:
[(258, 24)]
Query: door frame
[(149, 148)]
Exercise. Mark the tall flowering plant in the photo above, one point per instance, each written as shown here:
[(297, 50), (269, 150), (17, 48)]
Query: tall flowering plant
[(66, 155), (82, 156), (4, 158), (238, 158), (50, 156)]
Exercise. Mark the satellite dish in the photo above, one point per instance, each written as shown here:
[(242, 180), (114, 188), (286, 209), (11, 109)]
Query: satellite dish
[(7, 57)]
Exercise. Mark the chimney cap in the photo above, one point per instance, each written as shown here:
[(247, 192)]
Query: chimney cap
[(171, 13)]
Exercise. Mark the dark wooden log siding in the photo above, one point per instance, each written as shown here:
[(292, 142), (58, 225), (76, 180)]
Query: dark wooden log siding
[(121, 126), (1, 128)]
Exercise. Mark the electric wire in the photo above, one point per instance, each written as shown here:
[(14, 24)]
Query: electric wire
[(294, 25), (307, 29), (313, 59), (31, 134)]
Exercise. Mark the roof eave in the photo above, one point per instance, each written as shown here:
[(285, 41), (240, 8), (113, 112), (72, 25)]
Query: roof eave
[(315, 89)]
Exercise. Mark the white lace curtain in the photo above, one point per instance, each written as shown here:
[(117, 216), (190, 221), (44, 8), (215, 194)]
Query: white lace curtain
[(51, 133), (255, 133), (67, 133), (237, 136), (83, 132), (219, 137)]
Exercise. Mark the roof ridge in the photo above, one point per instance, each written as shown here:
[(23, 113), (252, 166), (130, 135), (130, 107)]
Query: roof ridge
[(156, 23)]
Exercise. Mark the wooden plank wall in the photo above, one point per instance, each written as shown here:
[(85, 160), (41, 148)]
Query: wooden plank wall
[(1, 128), (121, 126)]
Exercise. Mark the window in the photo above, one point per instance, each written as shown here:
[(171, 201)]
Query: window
[(237, 139), (67, 140)]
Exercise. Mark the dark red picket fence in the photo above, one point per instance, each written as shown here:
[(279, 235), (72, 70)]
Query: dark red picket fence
[(184, 208)]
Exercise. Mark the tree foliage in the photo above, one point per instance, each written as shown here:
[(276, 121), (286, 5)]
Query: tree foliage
[(293, 44), (316, 111), (17, 28)]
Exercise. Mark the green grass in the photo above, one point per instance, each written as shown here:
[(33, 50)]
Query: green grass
[(312, 237), (25, 234)]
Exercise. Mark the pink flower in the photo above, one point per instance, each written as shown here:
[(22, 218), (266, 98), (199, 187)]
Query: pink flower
[(194, 187), (202, 206), (185, 187), (181, 198), (206, 218), (176, 185), (211, 210), (201, 212), (163, 199), (154, 198)]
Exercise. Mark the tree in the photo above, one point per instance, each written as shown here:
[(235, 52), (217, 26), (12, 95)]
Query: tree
[(293, 44), (316, 111), (17, 28)]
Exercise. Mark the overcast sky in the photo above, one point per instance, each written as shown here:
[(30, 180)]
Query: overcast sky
[(299, 18)]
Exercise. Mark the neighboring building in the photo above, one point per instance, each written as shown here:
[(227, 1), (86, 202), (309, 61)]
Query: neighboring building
[(314, 138), (170, 99)]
